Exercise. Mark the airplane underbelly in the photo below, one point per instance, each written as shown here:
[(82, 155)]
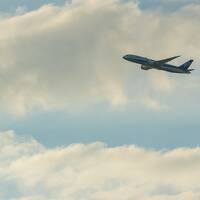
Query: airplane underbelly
[(173, 70)]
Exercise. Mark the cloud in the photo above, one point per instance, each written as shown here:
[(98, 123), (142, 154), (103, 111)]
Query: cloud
[(70, 57), (153, 104), (29, 170)]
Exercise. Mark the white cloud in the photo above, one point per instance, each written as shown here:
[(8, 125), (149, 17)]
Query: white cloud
[(153, 104), (70, 57), (95, 172)]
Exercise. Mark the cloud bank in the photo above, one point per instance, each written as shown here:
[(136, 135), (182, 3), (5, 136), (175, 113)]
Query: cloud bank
[(70, 57), (29, 170)]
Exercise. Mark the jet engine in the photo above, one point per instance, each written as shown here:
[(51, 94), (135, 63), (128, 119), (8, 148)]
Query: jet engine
[(144, 67)]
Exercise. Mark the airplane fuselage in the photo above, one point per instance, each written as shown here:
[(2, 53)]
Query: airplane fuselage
[(147, 63)]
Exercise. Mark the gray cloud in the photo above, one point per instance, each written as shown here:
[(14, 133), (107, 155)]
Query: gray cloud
[(95, 171)]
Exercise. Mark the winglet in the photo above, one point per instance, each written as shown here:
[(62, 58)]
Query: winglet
[(175, 57)]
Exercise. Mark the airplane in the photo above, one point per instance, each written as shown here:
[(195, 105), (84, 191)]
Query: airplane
[(147, 64)]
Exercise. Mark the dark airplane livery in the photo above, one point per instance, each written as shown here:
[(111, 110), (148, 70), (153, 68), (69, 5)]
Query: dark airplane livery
[(147, 64)]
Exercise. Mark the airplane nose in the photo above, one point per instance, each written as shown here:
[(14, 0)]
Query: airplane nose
[(124, 57)]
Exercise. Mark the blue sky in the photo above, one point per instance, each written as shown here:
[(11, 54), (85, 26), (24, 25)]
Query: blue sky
[(115, 128), (10, 5), (66, 84)]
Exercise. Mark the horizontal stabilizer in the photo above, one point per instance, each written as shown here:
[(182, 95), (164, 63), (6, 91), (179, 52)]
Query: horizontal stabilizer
[(191, 70)]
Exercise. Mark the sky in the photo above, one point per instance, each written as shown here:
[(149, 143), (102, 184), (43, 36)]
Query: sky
[(63, 79), (81, 115)]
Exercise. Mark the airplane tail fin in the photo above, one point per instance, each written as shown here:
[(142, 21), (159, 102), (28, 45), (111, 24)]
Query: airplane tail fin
[(186, 65)]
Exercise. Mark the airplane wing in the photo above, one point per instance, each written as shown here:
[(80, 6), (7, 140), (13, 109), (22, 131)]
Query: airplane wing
[(161, 62)]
